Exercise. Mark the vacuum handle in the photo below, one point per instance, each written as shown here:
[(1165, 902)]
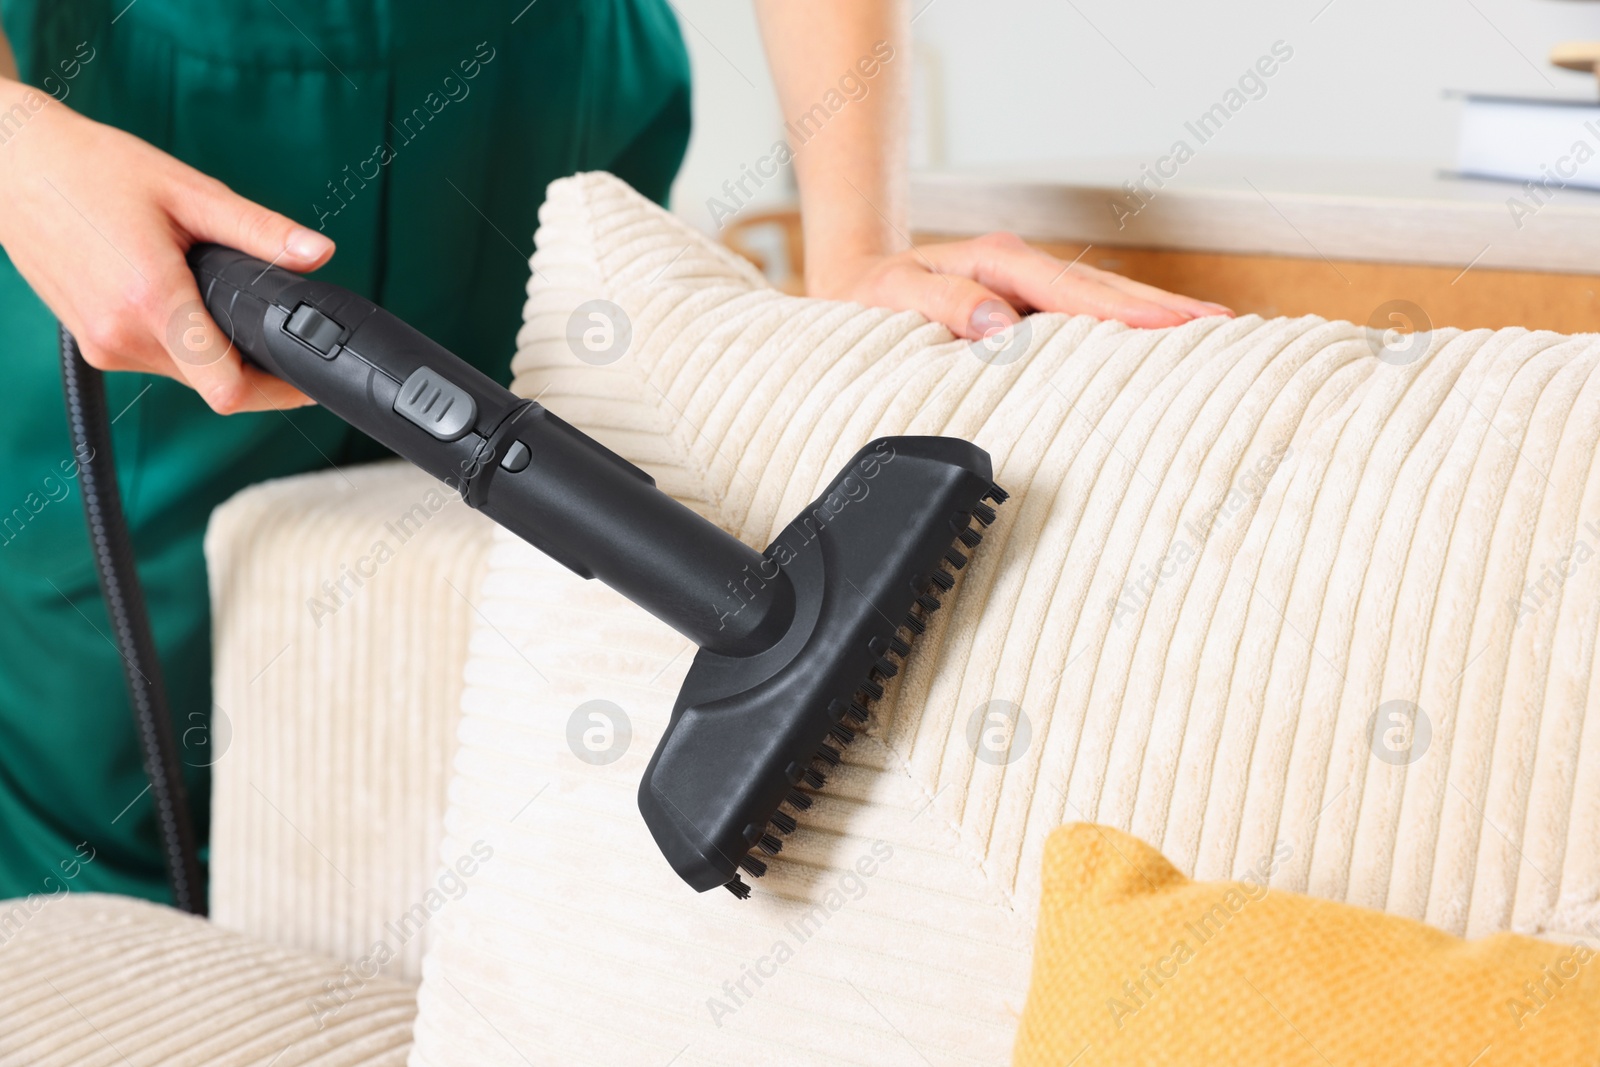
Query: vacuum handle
[(541, 478)]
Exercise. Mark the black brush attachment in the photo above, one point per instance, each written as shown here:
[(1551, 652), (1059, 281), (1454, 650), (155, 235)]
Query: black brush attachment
[(751, 735), (795, 642)]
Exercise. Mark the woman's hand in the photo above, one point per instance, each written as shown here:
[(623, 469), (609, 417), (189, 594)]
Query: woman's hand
[(98, 222), (976, 287), (851, 61)]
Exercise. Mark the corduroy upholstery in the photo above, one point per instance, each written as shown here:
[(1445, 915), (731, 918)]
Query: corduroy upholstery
[(88, 979), (341, 607), (1232, 545)]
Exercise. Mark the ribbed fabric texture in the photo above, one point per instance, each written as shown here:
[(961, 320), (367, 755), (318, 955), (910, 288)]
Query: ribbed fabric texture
[(1356, 533), (88, 979), (1138, 966), (341, 608)]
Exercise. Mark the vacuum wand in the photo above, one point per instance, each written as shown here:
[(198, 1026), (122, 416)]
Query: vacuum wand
[(536, 475), (794, 641)]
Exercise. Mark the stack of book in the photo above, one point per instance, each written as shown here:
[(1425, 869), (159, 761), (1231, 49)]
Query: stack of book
[(1553, 143)]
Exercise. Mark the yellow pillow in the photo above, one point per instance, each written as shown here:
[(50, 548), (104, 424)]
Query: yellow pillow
[(1136, 964)]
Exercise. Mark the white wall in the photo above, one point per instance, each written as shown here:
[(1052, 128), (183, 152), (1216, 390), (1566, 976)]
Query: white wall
[(736, 117), (1025, 80)]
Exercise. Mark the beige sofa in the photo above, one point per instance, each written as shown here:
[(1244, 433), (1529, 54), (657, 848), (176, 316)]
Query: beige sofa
[(328, 810), (398, 804)]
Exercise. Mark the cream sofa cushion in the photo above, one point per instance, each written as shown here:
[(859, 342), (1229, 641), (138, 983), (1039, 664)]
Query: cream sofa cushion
[(1231, 546), (341, 603), (88, 979)]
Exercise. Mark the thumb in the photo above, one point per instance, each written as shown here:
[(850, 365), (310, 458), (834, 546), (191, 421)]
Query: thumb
[(210, 211)]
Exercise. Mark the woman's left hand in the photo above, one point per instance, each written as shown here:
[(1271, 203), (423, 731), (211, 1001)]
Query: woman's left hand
[(977, 286)]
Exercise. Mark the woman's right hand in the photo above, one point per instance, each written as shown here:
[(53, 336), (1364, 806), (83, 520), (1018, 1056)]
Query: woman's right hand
[(98, 222)]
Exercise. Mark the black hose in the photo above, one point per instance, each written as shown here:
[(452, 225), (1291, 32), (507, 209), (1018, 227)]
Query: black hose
[(90, 424)]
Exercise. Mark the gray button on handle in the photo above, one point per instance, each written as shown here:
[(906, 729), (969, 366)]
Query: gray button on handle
[(439, 406), (313, 328), (516, 458)]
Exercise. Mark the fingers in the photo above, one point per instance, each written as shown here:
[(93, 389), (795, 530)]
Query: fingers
[(1198, 309), (1005, 263), (203, 355), (1037, 280), (966, 308), (160, 326), (210, 211), (267, 393), (256, 391), (206, 358)]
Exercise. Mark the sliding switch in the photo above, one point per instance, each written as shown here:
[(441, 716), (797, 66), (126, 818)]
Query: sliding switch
[(437, 405), (314, 329)]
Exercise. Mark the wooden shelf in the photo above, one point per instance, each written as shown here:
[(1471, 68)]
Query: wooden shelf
[(1341, 210), (1281, 237)]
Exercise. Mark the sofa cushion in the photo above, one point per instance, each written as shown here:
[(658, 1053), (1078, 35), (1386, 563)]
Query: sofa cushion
[(1257, 589), (92, 979), (341, 602)]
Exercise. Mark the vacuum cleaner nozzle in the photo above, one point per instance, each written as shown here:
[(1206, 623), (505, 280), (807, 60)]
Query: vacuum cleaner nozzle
[(753, 735), (795, 642)]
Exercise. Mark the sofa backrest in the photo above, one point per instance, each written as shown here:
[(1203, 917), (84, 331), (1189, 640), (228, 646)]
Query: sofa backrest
[(1259, 594)]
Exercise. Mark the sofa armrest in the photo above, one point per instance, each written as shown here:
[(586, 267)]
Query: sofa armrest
[(340, 618)]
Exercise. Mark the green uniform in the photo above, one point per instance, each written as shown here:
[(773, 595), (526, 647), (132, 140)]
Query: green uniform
[(420, 136)]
